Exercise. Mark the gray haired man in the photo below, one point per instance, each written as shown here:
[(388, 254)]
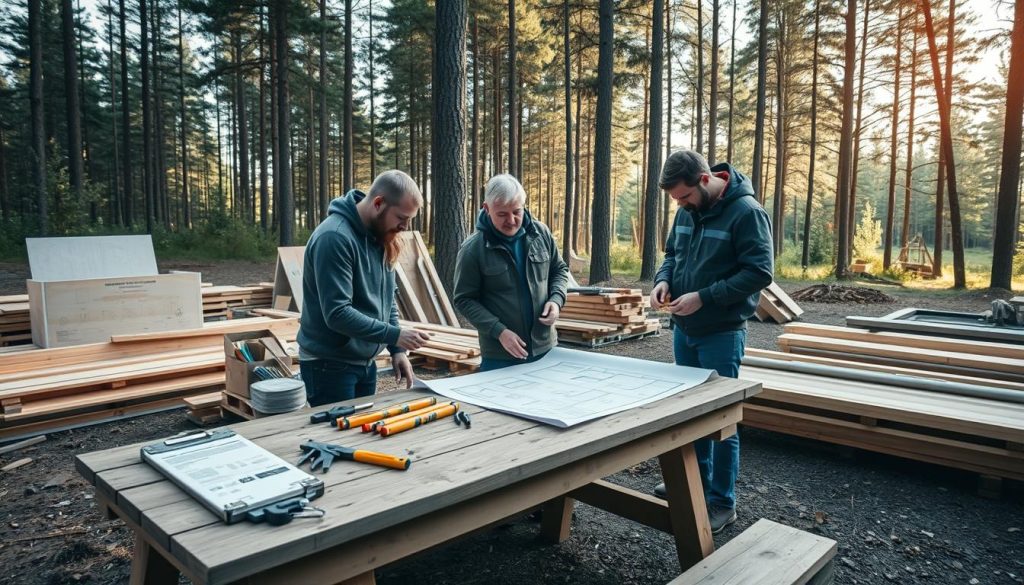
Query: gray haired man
[(510, 280)]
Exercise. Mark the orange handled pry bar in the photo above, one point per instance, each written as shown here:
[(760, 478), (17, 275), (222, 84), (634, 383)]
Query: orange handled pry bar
[(349, 422)]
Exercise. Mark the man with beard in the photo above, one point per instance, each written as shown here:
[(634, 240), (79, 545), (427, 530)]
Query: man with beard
[(717, 259), (510, 280), (348, 286)]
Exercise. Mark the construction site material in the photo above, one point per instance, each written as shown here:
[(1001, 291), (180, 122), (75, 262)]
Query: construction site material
[(84, 289), (203, 409), (47, 389), (838, 293), (288, 278), (421, 296), (220, 301), (983, 348), (776, 305), (595, 316), (942, 323)]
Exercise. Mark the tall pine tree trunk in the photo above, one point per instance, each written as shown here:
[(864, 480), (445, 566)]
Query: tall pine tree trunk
[(323, 116), (851, 228), (147, 126), (186, 200), (890, 213), (713, 103), (349, 59), (779, 198), (846, 140), (261, 147), (567, 226), (35, 41), (600, 261), (940, 186), (286, 211), (908, 179), (762, 82), (649, 261), (1008, 197), (699, 98), (116, 193), (805, 257), (126, 128), (73, 113), (959, 275), (513, 106)]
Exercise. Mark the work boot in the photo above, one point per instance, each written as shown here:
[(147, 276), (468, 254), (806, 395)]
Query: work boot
[(720, 517), (659, 490)]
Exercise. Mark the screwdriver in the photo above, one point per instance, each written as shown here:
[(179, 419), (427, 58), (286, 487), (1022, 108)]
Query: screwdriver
[(337, 412)]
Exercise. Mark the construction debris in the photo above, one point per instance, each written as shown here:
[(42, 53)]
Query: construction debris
[(838, 293)]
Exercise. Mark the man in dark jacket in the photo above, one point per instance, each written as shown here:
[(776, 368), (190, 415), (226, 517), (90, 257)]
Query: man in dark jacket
[(717, 259), (510, 280), (348, 287)]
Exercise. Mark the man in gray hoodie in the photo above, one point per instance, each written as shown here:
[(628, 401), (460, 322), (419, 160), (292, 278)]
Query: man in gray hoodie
[(717, 259), (348, 285)]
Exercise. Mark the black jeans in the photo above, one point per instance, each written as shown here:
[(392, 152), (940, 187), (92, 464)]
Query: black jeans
[(330, 381)]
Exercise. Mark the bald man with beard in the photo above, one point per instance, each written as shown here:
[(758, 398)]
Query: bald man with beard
[(348, 285)]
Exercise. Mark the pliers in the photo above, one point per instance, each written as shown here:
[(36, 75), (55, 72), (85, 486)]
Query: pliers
[(322, 455)]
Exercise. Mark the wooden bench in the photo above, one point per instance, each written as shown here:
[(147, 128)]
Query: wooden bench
[(767, 553)]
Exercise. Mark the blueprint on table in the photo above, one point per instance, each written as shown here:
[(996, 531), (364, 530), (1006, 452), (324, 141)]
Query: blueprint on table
[(567, 387)]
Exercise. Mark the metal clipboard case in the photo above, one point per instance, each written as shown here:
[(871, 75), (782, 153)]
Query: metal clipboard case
[(228, 473)]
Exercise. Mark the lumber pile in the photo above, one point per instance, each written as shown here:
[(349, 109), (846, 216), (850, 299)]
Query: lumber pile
[(975, 358), (596, 317), (875, 391), (43, 390), (421, 296), (219, 301), (15, 324), (450, 348), (774, 304), (975, 434)]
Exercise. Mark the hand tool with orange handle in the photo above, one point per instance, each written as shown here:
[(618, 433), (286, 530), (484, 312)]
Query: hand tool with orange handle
[(411, 423), (350, 422), (323, 454), (375, 426)]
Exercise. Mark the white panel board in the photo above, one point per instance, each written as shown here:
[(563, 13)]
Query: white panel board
[(77, 258)]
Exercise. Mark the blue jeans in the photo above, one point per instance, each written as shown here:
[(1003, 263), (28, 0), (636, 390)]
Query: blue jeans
[(719, 461), (330, 381), (488, 364)]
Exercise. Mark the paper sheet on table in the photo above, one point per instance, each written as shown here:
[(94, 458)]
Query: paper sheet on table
[(567, 387)]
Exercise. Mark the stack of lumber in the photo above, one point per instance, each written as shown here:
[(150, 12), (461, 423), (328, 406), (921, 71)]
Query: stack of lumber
[(421, 296), (612, 315), (204, 409), (776, 305), (219, 301), (999, 361), (452, 348), (15, 326), (965, 432), (43, 390), (895, 393)]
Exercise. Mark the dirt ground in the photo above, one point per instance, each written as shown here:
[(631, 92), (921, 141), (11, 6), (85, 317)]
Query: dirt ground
[(896, 521)]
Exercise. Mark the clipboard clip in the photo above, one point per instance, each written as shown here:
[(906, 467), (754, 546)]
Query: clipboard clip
[(282, 512)]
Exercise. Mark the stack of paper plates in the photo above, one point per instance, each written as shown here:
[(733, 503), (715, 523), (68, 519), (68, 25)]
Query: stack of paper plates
[(277, 395)]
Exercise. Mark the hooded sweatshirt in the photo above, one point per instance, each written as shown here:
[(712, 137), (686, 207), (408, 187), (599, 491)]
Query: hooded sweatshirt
[(724, 254), (348, 307)]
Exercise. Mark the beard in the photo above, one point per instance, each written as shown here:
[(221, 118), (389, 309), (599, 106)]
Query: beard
[(388, 239), (705, 200)]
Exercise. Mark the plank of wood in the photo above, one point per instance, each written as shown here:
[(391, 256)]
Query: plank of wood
[(408, 296), (869, 367), (16, 464), (977, 347), (785, 299), (767, 553), (22, 444)]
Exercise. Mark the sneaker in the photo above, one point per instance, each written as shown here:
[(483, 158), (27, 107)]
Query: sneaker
[(659, 490), (720, 517)]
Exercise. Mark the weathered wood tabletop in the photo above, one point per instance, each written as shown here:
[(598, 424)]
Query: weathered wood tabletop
[(460, 480)]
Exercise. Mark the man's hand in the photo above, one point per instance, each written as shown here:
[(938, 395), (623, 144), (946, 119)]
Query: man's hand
[(686, 304), (550, 314), (410, 339), (659, 296), (403, 369), (513, 344)]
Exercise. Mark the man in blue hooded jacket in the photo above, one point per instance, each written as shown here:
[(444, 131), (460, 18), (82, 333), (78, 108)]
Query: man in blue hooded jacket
[(717, 259), (348, 286)]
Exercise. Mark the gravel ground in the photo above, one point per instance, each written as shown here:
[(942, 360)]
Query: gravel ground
[(896, 521)]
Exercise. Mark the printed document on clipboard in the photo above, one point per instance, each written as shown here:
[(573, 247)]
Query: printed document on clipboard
[(229, 474)]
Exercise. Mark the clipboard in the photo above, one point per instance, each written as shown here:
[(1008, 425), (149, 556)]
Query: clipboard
[(230, 475)]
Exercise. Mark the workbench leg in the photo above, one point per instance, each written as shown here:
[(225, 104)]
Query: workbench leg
[(686, 507), (366, 578), (556, 519), (149, 567)]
